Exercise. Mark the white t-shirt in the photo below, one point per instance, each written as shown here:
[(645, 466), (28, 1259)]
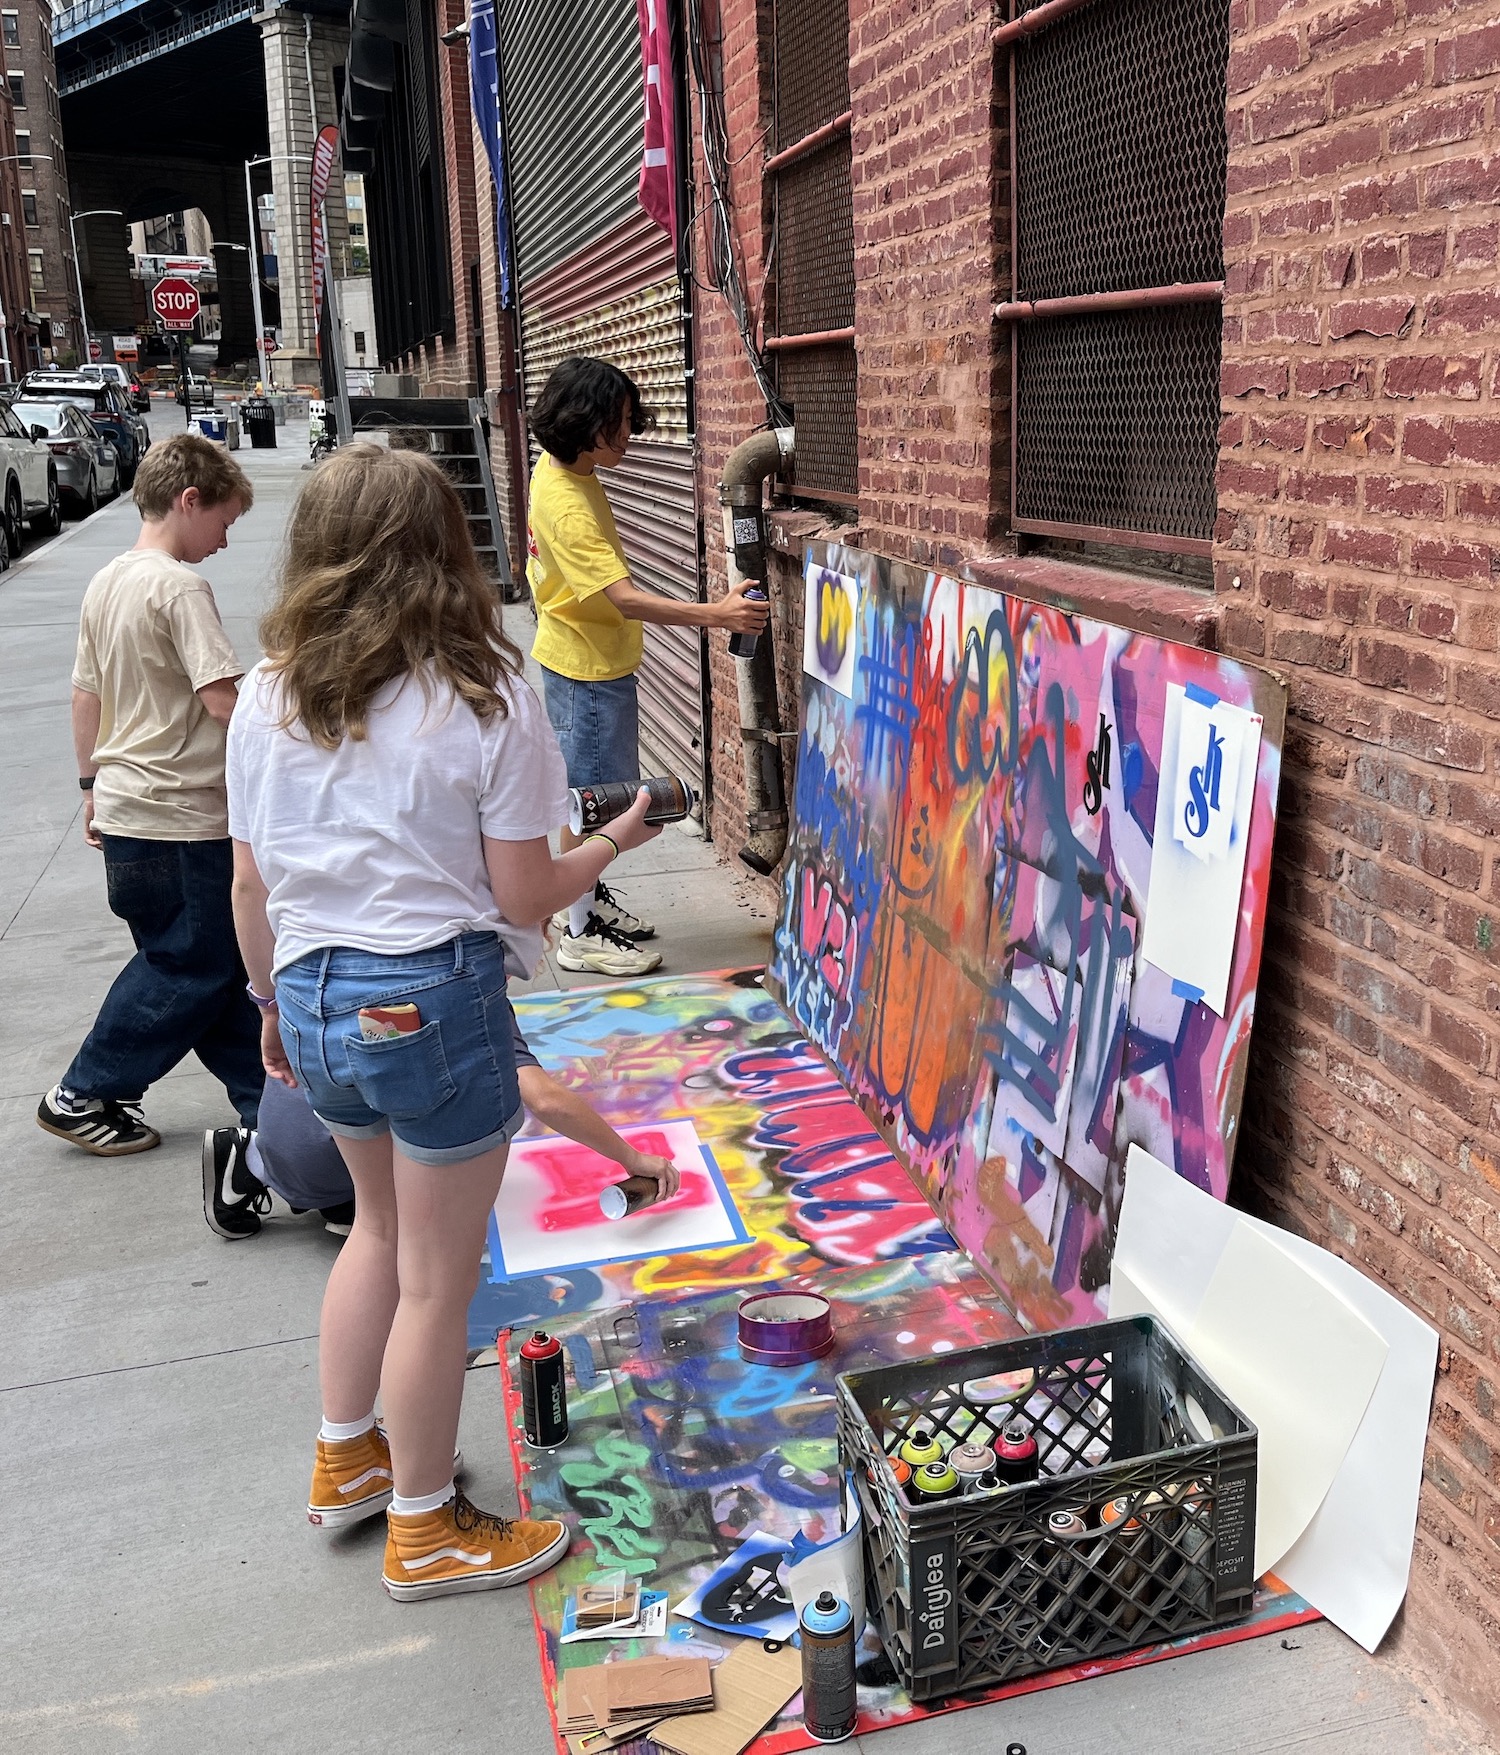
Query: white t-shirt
[(376, 845)]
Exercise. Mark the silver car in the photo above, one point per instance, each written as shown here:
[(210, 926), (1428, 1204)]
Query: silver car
[(88, 467)]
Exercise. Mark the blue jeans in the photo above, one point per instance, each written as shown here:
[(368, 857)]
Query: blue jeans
[(598, 727), (446, 1092), (183, 992)]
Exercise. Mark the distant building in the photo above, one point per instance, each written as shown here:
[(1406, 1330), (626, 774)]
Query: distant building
[(19, 347), (31, 76)]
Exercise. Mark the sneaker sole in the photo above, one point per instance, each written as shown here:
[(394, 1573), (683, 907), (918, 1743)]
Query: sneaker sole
[(210, 1186), (338, 1517), (607, 966), (122, 1151), (453, 1587)]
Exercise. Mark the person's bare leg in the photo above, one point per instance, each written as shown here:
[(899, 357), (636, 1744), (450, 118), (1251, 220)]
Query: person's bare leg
[(360, 1300), (443, 1211)]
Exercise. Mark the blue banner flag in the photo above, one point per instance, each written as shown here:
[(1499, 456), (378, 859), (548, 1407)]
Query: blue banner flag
[(484, 95)]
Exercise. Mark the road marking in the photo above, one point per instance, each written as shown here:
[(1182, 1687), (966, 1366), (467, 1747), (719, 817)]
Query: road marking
[(122, 1710)]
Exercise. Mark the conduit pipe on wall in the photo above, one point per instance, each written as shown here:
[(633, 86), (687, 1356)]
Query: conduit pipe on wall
[(746, 550)]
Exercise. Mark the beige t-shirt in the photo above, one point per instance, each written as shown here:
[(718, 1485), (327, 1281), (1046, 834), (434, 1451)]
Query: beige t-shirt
[(149, 637)]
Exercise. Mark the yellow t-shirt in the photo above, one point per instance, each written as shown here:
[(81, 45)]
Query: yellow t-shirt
[(574, 553), (149, 637)]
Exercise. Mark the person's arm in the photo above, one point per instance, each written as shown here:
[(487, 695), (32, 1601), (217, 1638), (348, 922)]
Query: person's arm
[(531, 882), (252, 928), (86, 716), (219, 698), (564, 1111), (734, 612)]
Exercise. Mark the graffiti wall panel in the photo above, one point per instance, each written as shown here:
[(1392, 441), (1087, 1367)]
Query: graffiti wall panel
[(981, 814)]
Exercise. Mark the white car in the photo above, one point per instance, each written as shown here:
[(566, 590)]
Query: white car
[(28, 485)]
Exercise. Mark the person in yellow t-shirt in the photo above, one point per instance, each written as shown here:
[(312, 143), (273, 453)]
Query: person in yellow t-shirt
[(589, 617)]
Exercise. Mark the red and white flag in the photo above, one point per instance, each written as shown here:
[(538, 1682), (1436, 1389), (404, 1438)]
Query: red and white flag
[(658, 186), (325, 151)]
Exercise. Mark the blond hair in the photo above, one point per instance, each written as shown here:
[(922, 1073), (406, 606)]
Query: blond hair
[(380, 580), (188, 460)]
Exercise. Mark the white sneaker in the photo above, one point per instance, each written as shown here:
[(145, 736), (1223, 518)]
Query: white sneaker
[(601, 950), (613, 913)]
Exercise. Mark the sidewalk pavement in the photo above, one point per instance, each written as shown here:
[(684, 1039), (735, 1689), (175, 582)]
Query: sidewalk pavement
[(158, 1386)]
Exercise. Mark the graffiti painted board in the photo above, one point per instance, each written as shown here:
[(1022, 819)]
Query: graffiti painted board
[(992, 927)]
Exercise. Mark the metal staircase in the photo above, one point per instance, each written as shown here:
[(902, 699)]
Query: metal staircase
[(455, 432)]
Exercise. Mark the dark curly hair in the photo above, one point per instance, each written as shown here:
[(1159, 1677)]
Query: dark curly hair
[(581, 401)]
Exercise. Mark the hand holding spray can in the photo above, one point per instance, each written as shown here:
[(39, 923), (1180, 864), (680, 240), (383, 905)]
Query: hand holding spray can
[(829, 1703), (591, 807), (742, 645)]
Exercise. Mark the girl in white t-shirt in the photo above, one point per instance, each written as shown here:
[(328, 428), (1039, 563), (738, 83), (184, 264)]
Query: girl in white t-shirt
[(392, 783)]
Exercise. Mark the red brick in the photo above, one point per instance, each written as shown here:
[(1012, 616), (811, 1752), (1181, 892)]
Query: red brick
[(1366, 85), (1397, 497), (1461, 182), (1477, 441), (1413, 375), (1370, 317), (1469, 55), (1240, 377), (1437, 122)]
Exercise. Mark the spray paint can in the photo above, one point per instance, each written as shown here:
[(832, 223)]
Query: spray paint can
[(901, 1470), (920, 1446), (969, 1462), (829, 1704), (544, 1391), (932, 1482), (621, 1199), (1128, 1534), (591, 807), (1067, 1569), (742, 645), (1016, 1454)]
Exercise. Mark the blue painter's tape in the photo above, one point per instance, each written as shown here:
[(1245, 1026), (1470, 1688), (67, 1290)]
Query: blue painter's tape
[(1203, 697), (1186, 990)]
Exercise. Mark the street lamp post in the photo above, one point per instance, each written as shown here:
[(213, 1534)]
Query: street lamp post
[(300, 158), (73, 219), (14, 158)]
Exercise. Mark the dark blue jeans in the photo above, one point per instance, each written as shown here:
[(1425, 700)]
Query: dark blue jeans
[(183, 991)]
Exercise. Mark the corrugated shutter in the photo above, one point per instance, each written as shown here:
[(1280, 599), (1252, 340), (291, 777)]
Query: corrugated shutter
[(573, 120)]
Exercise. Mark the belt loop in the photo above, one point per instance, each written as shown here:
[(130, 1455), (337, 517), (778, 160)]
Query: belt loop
[(458, 955), (323, 961)]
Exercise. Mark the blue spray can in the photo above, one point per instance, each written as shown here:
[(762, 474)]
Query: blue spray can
[(743, 645), (829, 1704)]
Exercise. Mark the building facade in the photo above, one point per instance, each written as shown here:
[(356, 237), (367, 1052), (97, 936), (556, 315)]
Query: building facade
[(31, 75), (20, 335)]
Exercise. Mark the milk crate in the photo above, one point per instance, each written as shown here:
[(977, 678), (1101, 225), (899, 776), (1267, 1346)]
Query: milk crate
[(979, 1590)]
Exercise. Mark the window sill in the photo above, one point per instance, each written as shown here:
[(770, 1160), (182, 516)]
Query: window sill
[(1146, 606)]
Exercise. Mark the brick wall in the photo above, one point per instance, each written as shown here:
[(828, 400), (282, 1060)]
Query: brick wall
[(1359, 505)]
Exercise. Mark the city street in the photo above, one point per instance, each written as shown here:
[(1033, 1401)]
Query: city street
[(158, 1386)]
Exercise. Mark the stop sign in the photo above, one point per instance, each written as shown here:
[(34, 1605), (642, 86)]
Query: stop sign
[(96, 350), (175, 301)]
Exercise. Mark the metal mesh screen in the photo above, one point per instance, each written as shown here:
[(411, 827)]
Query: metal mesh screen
[(815, 239), (819, 384), (812, 66), (1121, 148), (1117, 419)]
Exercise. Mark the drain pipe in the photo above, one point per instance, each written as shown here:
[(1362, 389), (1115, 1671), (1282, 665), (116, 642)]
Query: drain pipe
[(745, 549)]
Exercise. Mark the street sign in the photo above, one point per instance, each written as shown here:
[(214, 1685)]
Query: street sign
[(96, 350), (127, 348), (176, 302)]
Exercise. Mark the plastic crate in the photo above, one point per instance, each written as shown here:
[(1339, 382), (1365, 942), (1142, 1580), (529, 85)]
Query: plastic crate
[(974, 1591)]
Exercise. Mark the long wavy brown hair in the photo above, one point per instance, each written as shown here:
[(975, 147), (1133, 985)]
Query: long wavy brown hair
[(380, 580)]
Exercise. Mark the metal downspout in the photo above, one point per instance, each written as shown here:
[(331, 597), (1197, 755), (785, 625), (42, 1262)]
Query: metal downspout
[(745, 551)]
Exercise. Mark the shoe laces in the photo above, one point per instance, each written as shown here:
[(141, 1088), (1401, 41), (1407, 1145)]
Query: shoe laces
[(597, 928), (472, 1521), (260, 1203), (603, 893), (131, 1111)]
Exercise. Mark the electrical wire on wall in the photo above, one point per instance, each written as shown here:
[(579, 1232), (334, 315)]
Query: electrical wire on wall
[(724, 269)]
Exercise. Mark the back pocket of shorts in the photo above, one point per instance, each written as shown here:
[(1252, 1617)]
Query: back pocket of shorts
[(402, 1077)]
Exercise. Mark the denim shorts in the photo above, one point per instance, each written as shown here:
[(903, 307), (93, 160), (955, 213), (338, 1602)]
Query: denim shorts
[(445, 1093), (597, 725)]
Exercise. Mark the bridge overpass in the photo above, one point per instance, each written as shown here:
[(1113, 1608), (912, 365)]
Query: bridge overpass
[(163, 102)]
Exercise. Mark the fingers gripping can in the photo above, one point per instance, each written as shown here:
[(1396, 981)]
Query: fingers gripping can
[(591, 807), (544, 1391), (829, 1703)]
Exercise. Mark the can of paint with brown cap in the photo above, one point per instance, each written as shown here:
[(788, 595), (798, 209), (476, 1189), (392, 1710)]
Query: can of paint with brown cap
[(591, 807)]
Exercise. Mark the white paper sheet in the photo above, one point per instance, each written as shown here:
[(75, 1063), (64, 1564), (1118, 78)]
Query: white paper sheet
[(1193, 906), (1353, 1560), (1211, 737), (837, 1565), (829, 610)]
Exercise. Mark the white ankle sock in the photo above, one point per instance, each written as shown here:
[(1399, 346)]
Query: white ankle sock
[(419, 1507), (333, 1431), (578, 916)]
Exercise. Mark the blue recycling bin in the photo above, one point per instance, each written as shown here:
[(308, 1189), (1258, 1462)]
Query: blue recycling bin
[(214, 426)]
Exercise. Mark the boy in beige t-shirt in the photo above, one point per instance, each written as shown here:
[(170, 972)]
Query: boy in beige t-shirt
[(153, 689)]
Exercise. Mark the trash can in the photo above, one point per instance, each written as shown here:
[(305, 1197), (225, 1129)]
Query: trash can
[(258, 418), (214, 426)]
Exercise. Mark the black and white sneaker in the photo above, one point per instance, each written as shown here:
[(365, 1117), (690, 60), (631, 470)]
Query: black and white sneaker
[(233, 1196), (100, 1125), (613, 912), (340, 1219), (600, 950)]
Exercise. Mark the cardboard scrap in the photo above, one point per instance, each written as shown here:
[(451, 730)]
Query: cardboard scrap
[(641, 1686), (750, 1687)]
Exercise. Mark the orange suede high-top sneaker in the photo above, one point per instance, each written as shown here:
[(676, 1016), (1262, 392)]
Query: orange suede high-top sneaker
[(458, 1547), (351, 1479)]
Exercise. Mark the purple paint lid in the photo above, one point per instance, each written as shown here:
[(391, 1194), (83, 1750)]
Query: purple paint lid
[(785, 1328)]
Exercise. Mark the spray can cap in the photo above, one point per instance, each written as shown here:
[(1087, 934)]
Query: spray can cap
[(540, 1346), (827, 1613)]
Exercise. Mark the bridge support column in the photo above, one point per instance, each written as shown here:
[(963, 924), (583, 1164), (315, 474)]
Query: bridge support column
[(298, 104)]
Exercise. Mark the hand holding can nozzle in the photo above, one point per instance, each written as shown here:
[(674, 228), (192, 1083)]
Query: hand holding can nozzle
[(651, 1180)]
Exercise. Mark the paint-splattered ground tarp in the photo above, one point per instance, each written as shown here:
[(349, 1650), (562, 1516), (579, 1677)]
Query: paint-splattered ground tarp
[(677, 1449)]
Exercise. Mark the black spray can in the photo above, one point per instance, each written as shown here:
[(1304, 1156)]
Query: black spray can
[(829, 1705), (544, 1391), (742, 645), (591, 807)]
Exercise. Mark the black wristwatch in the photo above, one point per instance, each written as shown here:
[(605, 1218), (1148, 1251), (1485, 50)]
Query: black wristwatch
[(86, 783)]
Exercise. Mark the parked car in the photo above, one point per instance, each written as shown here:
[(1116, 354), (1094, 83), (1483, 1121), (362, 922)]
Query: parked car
[(134, 390), (103, 404), (29, 490), (198, 393), (88, 469)]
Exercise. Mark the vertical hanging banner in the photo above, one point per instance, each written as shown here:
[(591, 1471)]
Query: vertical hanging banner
[(325, 151), (658, 185), (484, 96)]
